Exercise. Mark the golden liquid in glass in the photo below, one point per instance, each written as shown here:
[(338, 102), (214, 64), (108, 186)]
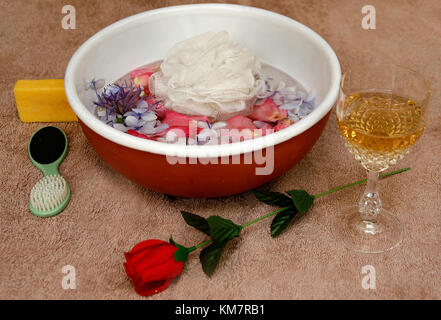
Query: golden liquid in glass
[(380, 128)]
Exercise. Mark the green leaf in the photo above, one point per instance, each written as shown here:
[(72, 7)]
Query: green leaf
[(223, 230), (196, 221), (273, 198), (282, 220), (302, 199), (210, 257), (120, 120), (182, 253)]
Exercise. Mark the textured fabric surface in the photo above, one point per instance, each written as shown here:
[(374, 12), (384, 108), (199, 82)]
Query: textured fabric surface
[(108, 214)]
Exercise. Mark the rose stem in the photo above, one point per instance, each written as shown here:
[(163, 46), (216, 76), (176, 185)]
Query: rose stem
[(265, 216), (359, 182), (202, 244)]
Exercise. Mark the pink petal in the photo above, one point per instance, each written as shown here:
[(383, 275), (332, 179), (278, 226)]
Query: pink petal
[(181, 131), (267, 129), (175, 119), (268, 111), (143, 80), (240, 122), (143, 71)]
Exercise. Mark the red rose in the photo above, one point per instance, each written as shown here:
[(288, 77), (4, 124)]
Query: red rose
[(152, 266)]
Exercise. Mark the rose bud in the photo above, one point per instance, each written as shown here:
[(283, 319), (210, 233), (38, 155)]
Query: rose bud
[(268, 111), (152, 266)]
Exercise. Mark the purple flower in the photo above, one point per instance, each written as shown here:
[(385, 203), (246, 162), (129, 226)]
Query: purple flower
[(118, 99), (140, 116), (150, 129), (298, 111), (210, 133)]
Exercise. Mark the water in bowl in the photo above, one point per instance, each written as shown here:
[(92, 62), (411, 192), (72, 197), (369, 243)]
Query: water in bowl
[(127, 105)]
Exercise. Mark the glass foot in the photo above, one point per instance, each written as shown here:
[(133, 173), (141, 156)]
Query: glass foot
[(363, 236)]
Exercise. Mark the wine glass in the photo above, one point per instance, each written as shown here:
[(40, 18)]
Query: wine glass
[(381, 113)]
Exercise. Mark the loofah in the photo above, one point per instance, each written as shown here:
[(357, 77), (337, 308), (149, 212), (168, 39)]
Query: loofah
[(208, 75)]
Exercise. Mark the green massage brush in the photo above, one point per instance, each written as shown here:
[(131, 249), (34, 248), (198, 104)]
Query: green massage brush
[(47, 148)]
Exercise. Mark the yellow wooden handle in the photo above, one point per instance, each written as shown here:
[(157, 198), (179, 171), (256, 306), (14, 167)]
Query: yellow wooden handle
[(42, 101)]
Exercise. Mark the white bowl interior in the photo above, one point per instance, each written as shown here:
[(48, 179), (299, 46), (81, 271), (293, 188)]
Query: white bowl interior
[(146, 37)]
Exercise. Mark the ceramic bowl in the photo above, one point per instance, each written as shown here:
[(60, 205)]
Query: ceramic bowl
[(215, 170)]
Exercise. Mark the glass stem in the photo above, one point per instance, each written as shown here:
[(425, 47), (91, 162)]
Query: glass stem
[(370, 203)]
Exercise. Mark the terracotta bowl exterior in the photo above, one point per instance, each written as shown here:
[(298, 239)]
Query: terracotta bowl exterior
[(154, 172)]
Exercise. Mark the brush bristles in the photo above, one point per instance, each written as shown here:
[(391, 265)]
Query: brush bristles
[(48, 193)]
